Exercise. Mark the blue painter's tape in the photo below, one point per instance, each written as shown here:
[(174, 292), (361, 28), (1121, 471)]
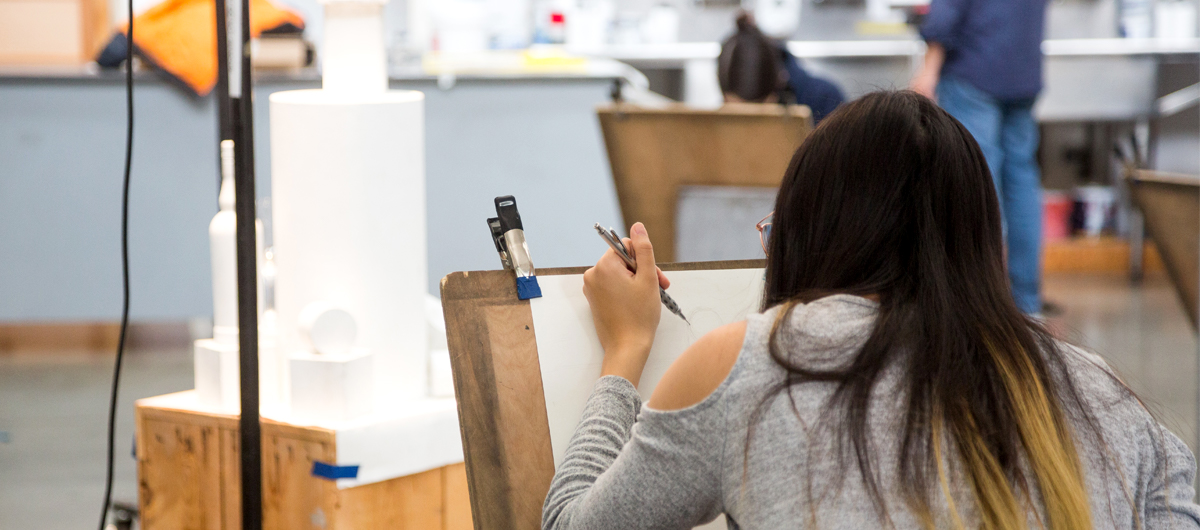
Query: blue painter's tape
[(332, 472), (528, 288)]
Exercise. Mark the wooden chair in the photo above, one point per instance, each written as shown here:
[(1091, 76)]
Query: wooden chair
[(653, 152), (1171, 206)]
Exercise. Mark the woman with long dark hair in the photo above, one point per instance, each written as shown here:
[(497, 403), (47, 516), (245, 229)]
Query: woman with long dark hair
[(753, 68), (890, 382)]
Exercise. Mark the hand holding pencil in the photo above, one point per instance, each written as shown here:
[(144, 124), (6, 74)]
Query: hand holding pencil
[(625, 304)]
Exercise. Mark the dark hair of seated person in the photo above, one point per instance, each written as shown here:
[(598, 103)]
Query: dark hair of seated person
[(750, 66), (891, 197)]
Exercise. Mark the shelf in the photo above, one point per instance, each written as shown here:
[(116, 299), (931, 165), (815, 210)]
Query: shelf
[(1103, 254)]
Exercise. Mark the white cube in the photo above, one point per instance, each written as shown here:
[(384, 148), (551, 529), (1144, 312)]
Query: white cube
[(216, 375), (331, 388)]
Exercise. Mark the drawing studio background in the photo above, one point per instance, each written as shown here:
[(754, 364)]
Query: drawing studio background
[(330, 201)]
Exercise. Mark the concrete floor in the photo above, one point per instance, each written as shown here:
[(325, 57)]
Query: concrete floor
[(53, 405), (54, 408), (1142, 332)]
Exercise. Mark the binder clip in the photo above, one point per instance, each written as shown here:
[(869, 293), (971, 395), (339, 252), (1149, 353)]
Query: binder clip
[(509, 236)]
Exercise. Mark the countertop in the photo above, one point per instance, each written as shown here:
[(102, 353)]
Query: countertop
[(487, 66), (685, 51), (607, 62)]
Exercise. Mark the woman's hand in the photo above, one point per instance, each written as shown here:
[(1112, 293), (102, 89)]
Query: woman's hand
[(625, 305)]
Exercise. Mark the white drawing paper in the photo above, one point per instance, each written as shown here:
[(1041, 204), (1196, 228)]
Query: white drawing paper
[(569, 351)]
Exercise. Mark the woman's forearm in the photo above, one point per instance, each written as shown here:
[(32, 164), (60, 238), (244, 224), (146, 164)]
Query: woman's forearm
[(627, 362), (603, 430), (926, 80), (935, 57)]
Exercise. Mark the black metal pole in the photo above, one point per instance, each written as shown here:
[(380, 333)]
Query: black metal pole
[(224, 120), (250, 435)]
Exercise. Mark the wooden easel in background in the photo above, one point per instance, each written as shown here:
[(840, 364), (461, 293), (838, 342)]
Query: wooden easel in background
[(653, 152), (1171, 206)]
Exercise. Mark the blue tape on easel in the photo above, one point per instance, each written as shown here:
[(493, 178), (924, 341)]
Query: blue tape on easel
[(528, 288), (332, 472)]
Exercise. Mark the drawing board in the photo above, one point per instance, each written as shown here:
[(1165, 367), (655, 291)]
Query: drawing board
[(523, 370)]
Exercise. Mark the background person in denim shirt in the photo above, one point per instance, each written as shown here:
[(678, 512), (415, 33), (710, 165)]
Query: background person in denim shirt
[(984, 66)]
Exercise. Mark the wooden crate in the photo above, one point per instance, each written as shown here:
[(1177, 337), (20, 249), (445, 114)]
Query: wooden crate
[(189, 479), (52, 32)]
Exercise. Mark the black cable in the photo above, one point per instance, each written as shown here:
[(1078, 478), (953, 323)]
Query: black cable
[(112, 403)]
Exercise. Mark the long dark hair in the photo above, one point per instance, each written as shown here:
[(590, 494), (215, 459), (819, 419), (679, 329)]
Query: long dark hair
[(890, 196), (750, 65)]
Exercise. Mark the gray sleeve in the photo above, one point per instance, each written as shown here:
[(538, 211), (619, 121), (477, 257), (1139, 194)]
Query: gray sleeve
[(1158, 466), (662, 472), (1169, 495)]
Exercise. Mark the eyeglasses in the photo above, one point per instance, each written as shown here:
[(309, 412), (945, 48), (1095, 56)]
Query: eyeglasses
[(764, 230)]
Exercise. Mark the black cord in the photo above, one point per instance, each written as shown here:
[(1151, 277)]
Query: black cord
[(112, 403)]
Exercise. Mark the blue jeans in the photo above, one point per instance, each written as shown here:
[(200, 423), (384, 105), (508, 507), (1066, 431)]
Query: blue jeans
[(1008, 136)]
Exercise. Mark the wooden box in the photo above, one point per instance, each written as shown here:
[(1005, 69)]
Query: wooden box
[(189, 478), (52, 32)]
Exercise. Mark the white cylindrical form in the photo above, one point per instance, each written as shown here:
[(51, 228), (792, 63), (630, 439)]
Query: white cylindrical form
[(222, 240), (216, 373), (348, 197), (354, 54)]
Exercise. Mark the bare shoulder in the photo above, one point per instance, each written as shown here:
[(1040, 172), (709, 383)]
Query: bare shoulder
[(700, 369)]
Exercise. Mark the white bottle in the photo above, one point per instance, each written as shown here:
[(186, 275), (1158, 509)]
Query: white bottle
[(222, 237)]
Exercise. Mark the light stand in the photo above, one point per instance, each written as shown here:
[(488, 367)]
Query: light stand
[(236, 118)]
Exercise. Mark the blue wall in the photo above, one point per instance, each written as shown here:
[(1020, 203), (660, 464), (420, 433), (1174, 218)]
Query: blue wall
[(61, 157)]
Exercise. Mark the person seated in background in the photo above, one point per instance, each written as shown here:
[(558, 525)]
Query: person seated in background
[(755, 69), (891, 381)]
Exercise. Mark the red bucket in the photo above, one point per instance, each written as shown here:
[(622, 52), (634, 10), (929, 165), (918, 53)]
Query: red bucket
[(1056, 215)]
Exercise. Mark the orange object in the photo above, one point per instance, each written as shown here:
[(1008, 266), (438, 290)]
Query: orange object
[(180, 37)]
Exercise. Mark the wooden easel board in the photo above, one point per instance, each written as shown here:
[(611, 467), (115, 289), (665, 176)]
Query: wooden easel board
[(653, 152), (1171, 206), (504, 386)]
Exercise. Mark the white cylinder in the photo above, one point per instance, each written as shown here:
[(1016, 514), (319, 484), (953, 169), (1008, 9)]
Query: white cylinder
[(348, 198), (223, 252), (222, 239), (355, 58)]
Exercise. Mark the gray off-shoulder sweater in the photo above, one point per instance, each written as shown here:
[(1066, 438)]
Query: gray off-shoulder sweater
[(630, 466)]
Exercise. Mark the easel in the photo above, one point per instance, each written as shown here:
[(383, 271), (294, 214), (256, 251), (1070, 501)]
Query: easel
[(1171, 206), (653, 152), (498, 383)]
